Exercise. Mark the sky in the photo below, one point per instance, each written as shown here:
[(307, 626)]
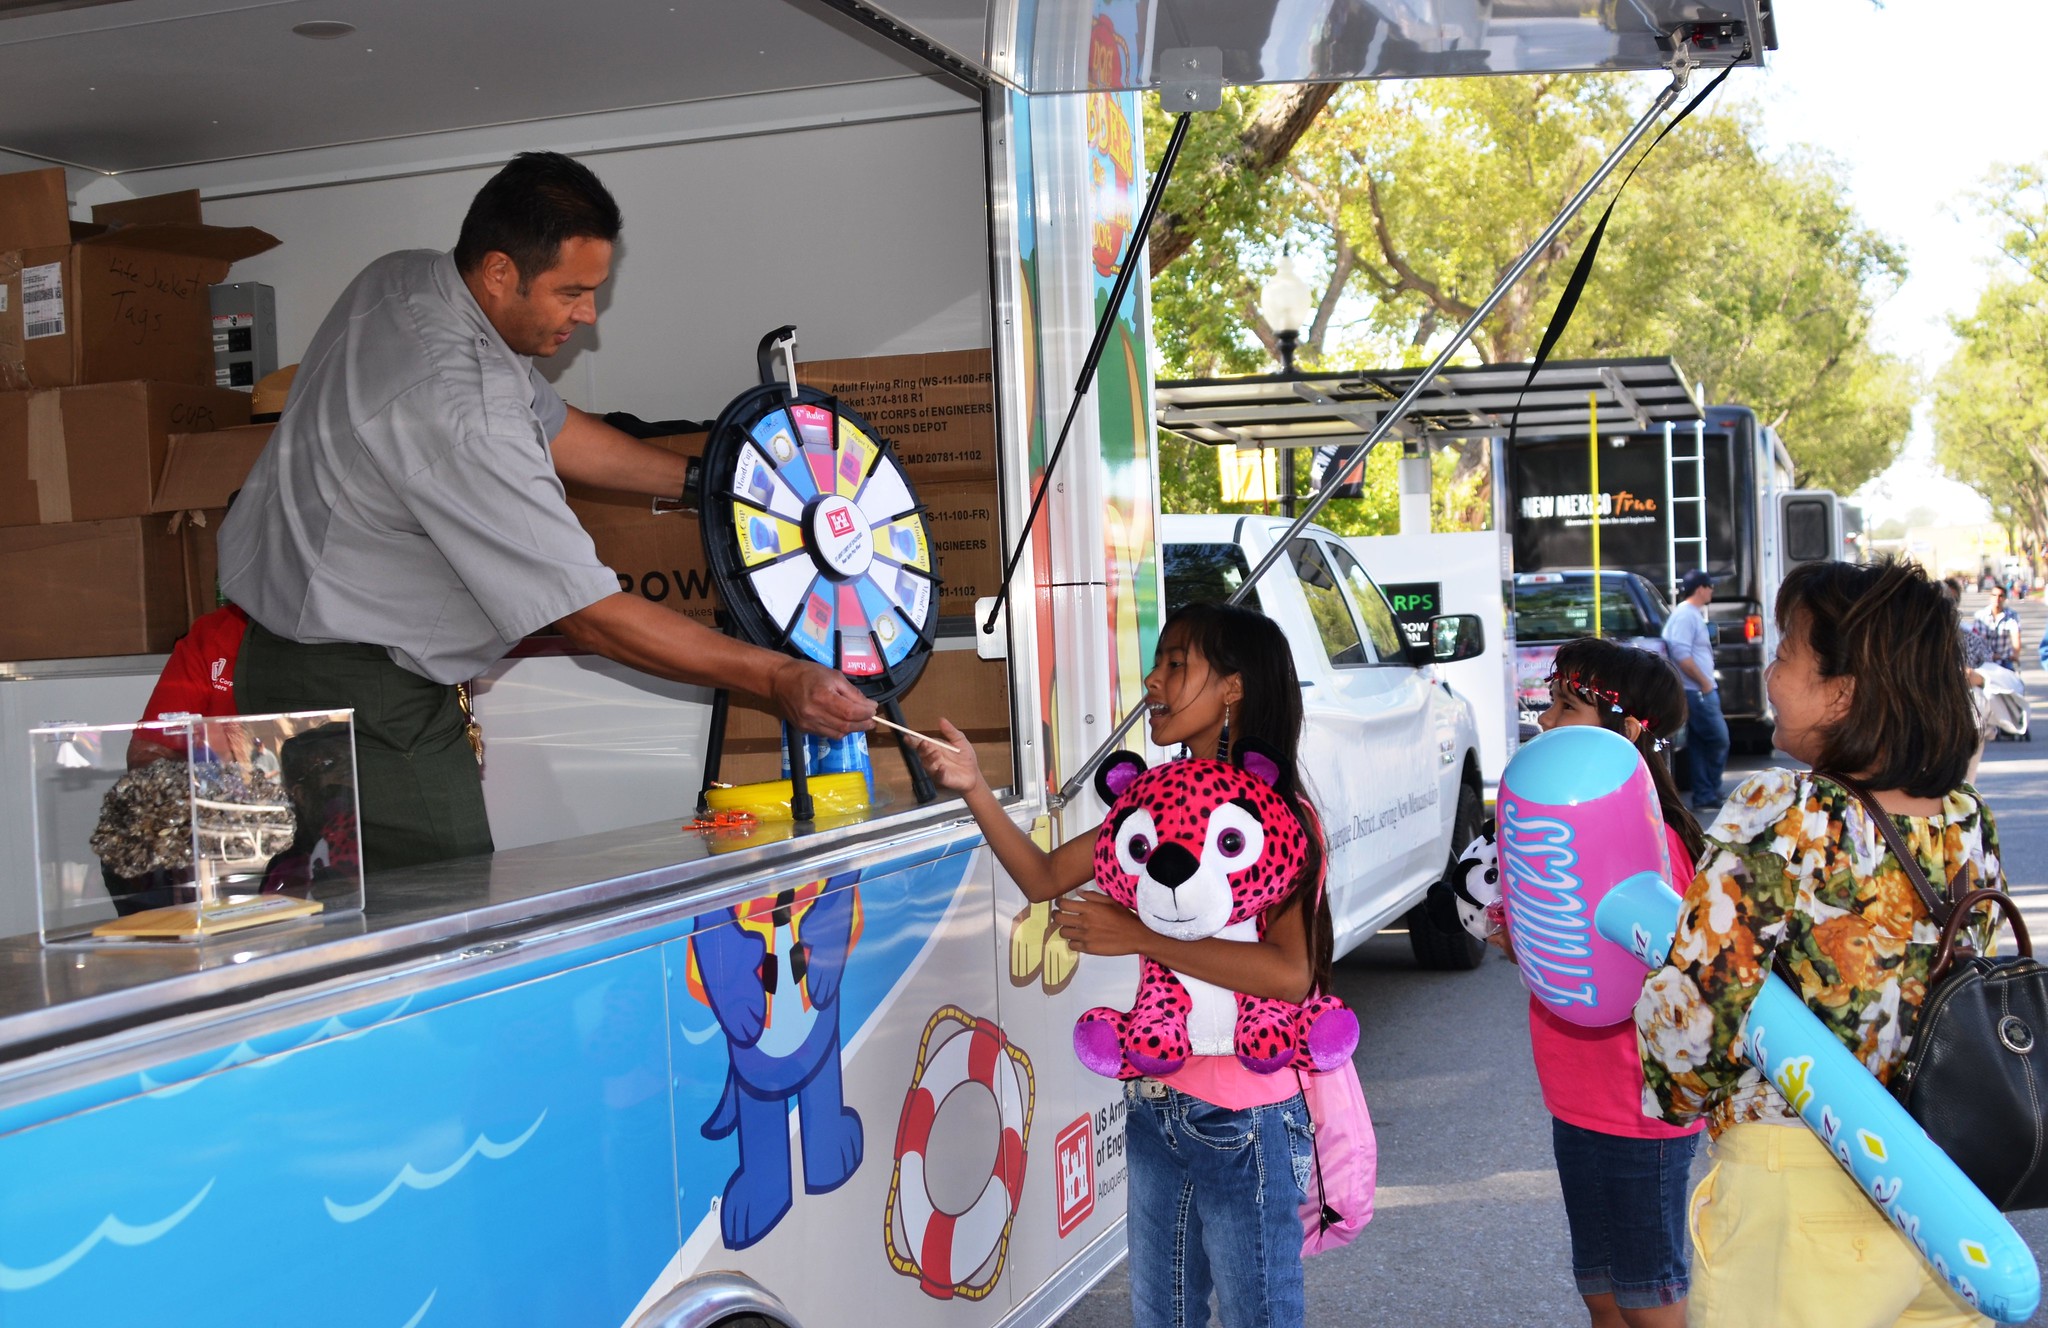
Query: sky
[(1918, 100)]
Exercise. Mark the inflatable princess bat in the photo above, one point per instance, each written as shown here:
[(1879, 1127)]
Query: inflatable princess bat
[(1585, 885)]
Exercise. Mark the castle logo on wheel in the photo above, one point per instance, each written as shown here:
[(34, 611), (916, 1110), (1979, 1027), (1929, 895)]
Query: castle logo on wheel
[(1073, 1168)]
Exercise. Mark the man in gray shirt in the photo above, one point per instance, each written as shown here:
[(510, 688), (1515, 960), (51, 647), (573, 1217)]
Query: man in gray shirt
[(1690, 644), (406, 524)]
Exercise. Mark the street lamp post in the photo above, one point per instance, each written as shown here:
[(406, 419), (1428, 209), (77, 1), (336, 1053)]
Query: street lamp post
[(1285, 304)]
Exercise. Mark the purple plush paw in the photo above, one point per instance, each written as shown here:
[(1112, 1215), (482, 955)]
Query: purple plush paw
[(1332, 1037), (1280, 1060), (1098, 1045), (1155, 1066)]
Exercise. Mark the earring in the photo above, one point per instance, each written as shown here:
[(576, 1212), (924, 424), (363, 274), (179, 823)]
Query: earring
[(1223, 738)]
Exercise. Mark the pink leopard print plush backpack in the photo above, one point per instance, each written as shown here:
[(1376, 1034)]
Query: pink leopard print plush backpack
[(1200, 849)]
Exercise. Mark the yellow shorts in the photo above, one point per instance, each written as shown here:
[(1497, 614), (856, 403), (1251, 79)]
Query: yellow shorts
[(1781, 1236)]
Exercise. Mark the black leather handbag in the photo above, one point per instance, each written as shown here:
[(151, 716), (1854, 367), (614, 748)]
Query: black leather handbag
[(1976, 1070)]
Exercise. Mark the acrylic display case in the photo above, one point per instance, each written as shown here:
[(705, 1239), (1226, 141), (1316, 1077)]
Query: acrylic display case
[(185, 829)]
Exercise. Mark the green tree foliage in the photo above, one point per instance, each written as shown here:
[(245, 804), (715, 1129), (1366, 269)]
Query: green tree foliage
[(1991, 398), (1753, 272)]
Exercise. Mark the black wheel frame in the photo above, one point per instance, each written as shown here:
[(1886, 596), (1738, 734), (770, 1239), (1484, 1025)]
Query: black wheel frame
[(749, 617)]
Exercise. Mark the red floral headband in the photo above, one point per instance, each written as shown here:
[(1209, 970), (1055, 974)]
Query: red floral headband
[(1593, 694)]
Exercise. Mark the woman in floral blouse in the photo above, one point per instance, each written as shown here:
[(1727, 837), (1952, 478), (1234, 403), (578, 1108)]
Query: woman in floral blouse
[(1867, 680)]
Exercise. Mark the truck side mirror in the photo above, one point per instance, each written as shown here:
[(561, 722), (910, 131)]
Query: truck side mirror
[(1456, 636)]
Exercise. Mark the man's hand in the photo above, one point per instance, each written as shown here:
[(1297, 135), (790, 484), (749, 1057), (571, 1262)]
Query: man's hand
[(818, 700)]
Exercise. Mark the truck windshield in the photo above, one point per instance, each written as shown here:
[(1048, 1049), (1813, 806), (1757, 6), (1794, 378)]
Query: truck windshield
[(1560, 610), (1205, 571)]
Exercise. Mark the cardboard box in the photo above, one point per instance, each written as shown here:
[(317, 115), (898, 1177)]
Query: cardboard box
[(123, 298), (937, 411), (658, 556), (967, 533), (203, 470), (91, 588), (198, 533), (95, 453)]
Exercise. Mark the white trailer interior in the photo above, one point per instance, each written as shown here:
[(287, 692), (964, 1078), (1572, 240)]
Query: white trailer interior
[(775, 163)]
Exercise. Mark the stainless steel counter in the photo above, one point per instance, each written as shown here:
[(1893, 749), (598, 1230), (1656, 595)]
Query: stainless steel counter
[(470, 909)]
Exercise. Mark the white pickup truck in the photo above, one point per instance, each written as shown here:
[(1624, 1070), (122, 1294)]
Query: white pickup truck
[(1390, 751)]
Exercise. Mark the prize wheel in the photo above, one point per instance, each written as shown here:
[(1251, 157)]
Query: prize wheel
[(815, 539)]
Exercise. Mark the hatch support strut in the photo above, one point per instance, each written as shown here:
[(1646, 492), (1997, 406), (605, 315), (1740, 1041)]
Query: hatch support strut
[(1681, 73)]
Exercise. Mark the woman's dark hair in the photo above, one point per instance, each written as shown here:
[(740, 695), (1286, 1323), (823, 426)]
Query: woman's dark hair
[(529, 208), (1651, 692), (1909, 725), (1236, 640)]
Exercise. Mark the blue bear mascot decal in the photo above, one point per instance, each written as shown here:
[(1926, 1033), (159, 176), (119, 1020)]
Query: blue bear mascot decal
[(770, 970)]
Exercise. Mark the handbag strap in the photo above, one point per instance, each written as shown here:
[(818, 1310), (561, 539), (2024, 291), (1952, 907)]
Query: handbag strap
[(1966, 906)]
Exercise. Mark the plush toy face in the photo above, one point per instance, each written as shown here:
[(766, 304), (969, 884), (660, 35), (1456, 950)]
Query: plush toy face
[(1194, 846)]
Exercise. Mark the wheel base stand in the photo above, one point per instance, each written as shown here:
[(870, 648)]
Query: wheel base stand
[(920, 779)]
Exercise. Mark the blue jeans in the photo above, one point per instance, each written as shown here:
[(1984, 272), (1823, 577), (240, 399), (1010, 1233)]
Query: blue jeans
[(1706, 747), (1215, 1199), (1625, 1201)]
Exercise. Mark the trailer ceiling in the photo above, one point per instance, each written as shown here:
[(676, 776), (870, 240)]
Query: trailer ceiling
[(1334, 409), (125, 85), (1044, 47)]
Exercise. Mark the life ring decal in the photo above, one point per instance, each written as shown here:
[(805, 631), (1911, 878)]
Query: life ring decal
[(965, 1066)]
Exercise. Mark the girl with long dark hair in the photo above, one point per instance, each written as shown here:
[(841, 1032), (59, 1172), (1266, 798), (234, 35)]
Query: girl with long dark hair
[(1218, 1154)]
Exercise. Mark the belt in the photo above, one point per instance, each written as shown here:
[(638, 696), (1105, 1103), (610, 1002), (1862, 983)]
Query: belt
[(1154, 1089)]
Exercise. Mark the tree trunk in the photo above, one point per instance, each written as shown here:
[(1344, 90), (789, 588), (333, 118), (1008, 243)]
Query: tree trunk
[(1265, 143)]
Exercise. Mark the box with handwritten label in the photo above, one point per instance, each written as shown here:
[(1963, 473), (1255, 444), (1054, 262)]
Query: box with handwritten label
[(124, 296)]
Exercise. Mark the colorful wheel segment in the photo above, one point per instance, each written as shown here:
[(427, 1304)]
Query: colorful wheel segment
[(815, 538)]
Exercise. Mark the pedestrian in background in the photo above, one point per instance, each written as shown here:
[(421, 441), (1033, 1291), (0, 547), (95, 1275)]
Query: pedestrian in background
[(2000, 628), (1798, 875), (1690, 643)]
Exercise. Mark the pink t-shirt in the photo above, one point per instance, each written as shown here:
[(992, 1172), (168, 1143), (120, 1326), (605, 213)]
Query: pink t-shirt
[(1593, 1077), (1223, 1081)]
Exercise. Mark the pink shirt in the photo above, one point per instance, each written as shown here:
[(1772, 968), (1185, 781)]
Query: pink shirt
[(1223, 1081), (1593, 1077)]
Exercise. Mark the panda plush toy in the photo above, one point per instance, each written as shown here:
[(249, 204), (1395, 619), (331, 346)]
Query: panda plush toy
[(1475, 886)]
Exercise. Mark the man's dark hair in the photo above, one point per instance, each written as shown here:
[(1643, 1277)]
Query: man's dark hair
[(529, 208), (1909, 724)]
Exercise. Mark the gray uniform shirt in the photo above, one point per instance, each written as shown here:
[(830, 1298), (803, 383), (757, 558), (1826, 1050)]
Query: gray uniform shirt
[(407, 498), (1686, 637)]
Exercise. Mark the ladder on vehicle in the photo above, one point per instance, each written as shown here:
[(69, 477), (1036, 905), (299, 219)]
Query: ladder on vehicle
[(1694, 545)]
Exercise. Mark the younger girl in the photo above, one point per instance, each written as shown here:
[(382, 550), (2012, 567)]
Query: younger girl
[(1218, 1155), (1624, 1174)]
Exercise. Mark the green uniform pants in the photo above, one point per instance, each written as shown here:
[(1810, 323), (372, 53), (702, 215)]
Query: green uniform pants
[(419, 790)]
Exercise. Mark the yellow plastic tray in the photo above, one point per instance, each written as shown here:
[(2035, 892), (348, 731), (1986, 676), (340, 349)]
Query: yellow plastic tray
[(831, 795)]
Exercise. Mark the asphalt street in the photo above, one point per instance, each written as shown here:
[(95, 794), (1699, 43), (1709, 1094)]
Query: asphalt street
[(1469, 1227)]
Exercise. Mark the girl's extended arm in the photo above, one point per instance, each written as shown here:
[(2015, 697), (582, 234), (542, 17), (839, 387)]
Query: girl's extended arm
[(1276, 966), (1039, 874)]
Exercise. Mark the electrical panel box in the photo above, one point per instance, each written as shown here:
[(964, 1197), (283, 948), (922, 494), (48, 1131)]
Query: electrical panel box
[(244, 334)]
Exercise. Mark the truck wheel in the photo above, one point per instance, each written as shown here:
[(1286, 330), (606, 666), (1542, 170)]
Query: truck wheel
[(1434, 935)]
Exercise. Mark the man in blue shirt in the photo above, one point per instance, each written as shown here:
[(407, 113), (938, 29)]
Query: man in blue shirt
[(1690, 645)]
